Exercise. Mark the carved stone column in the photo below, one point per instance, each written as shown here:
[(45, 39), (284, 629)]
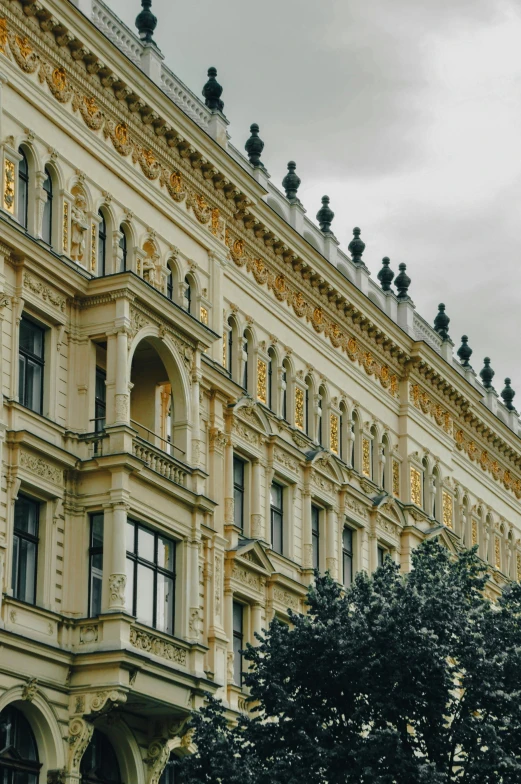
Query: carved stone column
[(257, 528), (197, 445), (117, 578), (193, 620), (307, 538), (331, 530), (256, 612), (228, 482), (121, 402), (40, 198)]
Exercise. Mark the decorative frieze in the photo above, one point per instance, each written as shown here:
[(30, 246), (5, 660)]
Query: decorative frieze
[(156, 645), (38, 466), (247, 578), (424, 402), (44, 292), (286, 599), (487, 462)]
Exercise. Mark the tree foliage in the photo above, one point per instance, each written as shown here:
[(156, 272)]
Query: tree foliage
[(404, 678)]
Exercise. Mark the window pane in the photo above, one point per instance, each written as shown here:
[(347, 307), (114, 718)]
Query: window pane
[(276, 495), (165, 603), (33, 388), (146, 545), (238, 508), (130, 537), (347, 540), (237, 617), (145, 595), (26, 516), (165, 553), (95, 591), (315, 519), (276, 531), (129, 590), (97, 531), (26, 571), (31, 338), (238, 472), (348, 569)]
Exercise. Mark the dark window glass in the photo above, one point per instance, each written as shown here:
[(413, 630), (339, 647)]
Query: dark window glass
[(188, 296), (170, 285), (245, 370), (238, 492), (47, 210), (96, 564), (99, 764), (238, 642), (353, 441), (277, 516), (150, 577), (382, 552), (308, 412), (230, 355), (169, 776), (102, 245), (18, 750), (123, 249), (30, 365), (341, 436), (285, 393), (100, 400), (320, 423), (23, 190), (315, 535), (25, 549), (271, 395), (347, 556)]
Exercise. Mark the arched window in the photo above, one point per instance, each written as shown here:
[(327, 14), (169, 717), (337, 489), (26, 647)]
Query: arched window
[(187, 295), (321, 425), (245, 348), (23, 189), (386, 471), (285, 380), (18, 751), (355, 441), (272, 380), (230, 354), (102, 245), (99, 764), (47, 209), (308, 408), (122, 250), (342, 446), (168, 776), (436, 482), (170, 284)]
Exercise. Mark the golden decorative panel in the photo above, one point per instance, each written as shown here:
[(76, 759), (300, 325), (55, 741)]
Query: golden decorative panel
[(423, 401), (447, 506), (93, 247), (497, 552), (299, 408), (225, 349), (491, 466), (474, 532), (204, 315), (9, 191), (262, 386), (333, 434), (3, 35), (416, 487), (396, 479), (66, 227), (366, 457)]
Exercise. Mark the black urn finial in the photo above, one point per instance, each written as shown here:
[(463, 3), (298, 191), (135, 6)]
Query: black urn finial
[(441, 322), (464, 351), (402, 282), (254, 146), (487, 374), (386, 275), (356, 247), (325, 215), (291, 181), (508, 395), (146, 22), (212, 92)]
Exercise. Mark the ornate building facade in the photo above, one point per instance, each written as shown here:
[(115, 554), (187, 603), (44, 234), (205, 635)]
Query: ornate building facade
[(203, 398)]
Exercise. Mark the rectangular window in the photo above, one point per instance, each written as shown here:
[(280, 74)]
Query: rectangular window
[(277, 516), (25, 549), (100, 402), (150, 577), (382, 552), (347, 557), (238, 642), (238, 492), (30, 365), (95, 564), (315, 535)]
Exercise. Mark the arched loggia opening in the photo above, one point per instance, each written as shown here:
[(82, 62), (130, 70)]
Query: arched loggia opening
[(19, 761), (99, 764), (158, 400)]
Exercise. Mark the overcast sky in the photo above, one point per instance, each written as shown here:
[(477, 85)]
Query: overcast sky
[(407, 113)]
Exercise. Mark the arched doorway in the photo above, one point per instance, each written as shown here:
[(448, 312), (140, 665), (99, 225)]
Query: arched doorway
[(99, 764), (19, 762)]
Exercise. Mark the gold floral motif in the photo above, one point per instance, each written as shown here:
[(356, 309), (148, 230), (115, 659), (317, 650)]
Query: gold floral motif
[(396, 479), (57, 82), (262, 389), (3, 35), (299, 304), (352, 348), (23, 53), (447, 504), (66, 227), (317, 318), (394, 385), (119, 136), (299, 408), (260, 271), (24, 46), (366, 457), (217, 224), (204, 315), (492, 466), (416, 487), (89, 110), (59, 79), (368, 362), (497, 552), (225, 352), (333, 433), (200, 207), (147, 161), (474, 532), (9, 185), (279, 287), (173, 182), (428, 406), (93, 247)]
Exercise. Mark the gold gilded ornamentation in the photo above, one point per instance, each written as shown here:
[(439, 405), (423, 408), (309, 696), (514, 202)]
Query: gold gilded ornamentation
[(499, 472), (518, 565), (148, 162), (333, 433), (318, 318), (66, 227), (89, 110), (24, 46), (118, 134), (474, 532), (200, 207), (299, 408), (262, 388), (423, 401), (173, 182), (3, 35), (9, 185), (497, 552), (366, 457), (23, 53), (447, 504), (416, 487), (93, 247), (204, 315), (225, 347), (59, 79), (57, 82), (217, 224), (260, 271), (396, 479)]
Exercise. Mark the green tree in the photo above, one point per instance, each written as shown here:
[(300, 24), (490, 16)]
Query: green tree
[(404, 678)]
